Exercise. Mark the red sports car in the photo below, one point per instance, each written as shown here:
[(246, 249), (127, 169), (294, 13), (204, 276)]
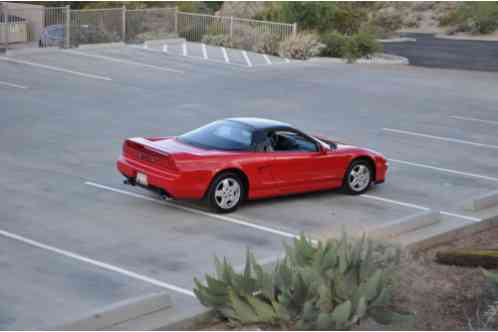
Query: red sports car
[(230, 160)]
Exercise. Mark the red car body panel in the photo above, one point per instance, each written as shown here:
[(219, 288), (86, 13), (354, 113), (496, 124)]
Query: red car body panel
[(185, 171)]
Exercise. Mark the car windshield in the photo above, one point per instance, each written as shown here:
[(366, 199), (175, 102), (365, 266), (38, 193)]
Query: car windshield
[(220, 135)]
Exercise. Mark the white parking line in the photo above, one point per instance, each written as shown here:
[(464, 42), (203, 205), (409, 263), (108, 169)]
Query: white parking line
[(419, 207), (446, 139), (165, 48), (58, 69), (184, 49), (267, 59), (128, 62), (451, 171), (249, 63), (474, 119), (192, 210), (204, 51), (97, 263), (225, 55), (232, 65), (12, 85)]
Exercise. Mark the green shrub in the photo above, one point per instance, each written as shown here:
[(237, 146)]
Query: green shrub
[(367, 44), (330, 285), (473, 17), (314, 15), (335, 44), (302, 46), (361, 44), (349, 18)]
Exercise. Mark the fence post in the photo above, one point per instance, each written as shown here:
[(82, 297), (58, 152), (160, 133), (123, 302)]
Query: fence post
[(123, 24), (231, 27), (294, 29), (67, 29), (6, 26), (176, 20)]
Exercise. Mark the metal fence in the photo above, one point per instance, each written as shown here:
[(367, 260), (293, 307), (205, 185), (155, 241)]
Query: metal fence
[(94, 26), (150, 24), (63, 27), (194, 26)]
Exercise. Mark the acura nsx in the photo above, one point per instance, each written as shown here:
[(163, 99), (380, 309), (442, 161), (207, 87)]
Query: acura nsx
[(236, 159)]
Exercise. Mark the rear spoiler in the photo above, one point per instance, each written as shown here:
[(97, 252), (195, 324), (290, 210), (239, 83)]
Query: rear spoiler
[(146, 143)]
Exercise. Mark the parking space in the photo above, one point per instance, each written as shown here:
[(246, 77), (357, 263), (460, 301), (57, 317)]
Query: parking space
[(229, 56), (70, 227)]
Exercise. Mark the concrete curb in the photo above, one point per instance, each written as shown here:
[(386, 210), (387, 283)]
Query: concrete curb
[(479, 39), (455, 234), (120, 315), (397, 40), (482, 202), (383, 59), (169, 41), (101, 45), (404, 225)]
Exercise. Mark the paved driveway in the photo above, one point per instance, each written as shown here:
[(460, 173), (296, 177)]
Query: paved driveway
[(428, 51)]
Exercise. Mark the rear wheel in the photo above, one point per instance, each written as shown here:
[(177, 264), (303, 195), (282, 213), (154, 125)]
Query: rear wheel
[(226, 192), (358, 177)]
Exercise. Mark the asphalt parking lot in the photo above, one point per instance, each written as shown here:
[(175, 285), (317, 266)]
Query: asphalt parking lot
[(430, 51), (74, 238)]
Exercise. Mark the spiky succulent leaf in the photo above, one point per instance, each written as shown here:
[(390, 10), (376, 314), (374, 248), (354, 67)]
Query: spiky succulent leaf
[(373, 285), (244, 313), (387, 317), (264, 311), (342, 312)]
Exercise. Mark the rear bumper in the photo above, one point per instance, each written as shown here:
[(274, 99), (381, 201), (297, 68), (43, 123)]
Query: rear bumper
[(174, 184)]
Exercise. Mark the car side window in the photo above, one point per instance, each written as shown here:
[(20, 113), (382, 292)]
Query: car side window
[(290, 141)]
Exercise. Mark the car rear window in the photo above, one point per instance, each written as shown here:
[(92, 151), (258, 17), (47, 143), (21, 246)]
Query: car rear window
[(222, 135)]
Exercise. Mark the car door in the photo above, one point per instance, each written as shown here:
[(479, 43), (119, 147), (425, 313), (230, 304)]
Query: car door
[(295, 158)]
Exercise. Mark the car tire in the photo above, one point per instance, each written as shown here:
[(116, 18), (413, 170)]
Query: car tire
[(358, 178), (226, 192)]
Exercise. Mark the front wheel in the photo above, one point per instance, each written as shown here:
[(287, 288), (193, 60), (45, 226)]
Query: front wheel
[(226, 193), (358, 177)]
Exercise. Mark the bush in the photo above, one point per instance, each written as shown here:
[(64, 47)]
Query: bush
[(473, 17), (217, 40), (349, 18), (267, 43), (367, 44), (315, 15), (302, 46), (335, 44), (247, 38), (330, 285), (361, 44)]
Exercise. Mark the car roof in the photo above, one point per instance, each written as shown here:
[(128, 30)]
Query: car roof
[(261, 124)]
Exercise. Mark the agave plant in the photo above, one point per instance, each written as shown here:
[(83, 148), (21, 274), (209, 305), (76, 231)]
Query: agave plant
[(328, 285)]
